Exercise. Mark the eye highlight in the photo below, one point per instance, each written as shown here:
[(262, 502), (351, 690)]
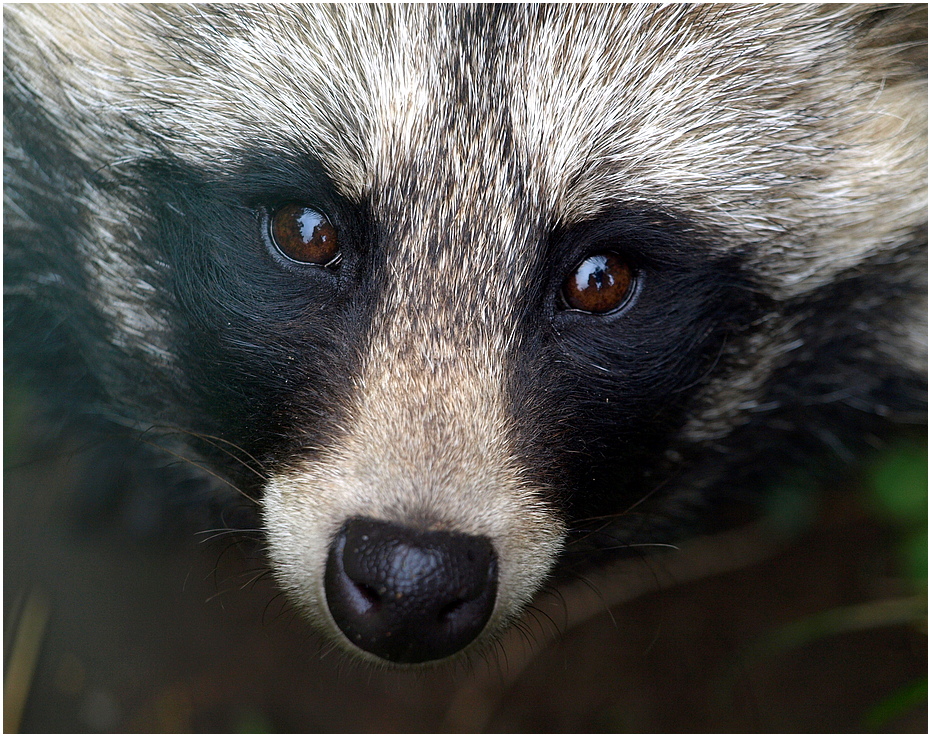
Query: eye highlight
[(599, 284), (303, 234)]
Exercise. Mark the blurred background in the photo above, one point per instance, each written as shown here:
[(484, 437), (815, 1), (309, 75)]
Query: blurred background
[(813, 619)]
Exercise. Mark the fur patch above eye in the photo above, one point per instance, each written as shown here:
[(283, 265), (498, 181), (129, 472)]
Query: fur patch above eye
[(600, 284), (303, 234)]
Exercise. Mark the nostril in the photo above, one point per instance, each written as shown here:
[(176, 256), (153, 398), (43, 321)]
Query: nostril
[(369, 595), (450, 610), (409, 595)]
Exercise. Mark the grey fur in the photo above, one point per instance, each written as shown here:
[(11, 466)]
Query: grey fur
[(797, 134)]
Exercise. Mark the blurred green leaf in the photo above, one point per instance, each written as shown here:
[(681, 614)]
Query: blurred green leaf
[(899, 484), (896, 705), (914, 555), (897, 489)]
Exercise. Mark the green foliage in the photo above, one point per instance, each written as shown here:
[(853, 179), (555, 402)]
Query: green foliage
[(897, 490), (899, 483), (896, 704)]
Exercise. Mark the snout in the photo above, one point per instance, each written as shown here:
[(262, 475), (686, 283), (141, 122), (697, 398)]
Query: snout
[(409, 595), (407, 563)]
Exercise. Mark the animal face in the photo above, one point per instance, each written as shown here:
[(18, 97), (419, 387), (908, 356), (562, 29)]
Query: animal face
[(456, 292)]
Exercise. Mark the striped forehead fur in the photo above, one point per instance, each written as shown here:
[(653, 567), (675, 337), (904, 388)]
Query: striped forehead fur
[(712, 110)]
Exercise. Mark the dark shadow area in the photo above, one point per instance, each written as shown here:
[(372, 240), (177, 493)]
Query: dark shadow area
[(193, 636)]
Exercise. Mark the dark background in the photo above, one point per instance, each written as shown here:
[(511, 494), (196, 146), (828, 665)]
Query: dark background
[(819, 627)]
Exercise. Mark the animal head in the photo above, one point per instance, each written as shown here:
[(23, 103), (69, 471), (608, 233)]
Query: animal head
[(457, 290)]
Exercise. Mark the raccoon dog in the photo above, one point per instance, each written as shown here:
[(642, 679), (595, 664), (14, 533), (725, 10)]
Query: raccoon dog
[(457, 293)]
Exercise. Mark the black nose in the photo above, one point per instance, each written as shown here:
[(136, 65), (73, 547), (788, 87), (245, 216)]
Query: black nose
[(406, 595)]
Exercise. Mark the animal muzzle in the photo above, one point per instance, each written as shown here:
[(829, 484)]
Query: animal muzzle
[(407, 595)]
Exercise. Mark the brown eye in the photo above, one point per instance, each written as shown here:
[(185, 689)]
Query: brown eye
[(305, 235), (600, 284)]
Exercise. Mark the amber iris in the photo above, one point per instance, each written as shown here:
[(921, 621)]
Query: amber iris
[(600, 284), (303, 234)]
